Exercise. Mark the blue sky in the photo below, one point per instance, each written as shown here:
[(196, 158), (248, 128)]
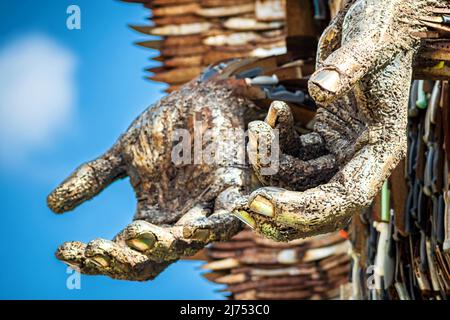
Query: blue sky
[(65, 96)]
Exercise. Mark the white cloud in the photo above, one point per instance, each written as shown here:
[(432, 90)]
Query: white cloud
[(37, 95)]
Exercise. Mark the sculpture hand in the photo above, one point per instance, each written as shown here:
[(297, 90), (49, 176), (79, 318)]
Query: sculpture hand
[(362, 82), (181, 206)]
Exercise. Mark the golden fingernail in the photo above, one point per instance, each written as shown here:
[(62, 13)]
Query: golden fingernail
[(245, 217), (272, 116), (327, 79), (143, 242), (100, 261), (262, 206)]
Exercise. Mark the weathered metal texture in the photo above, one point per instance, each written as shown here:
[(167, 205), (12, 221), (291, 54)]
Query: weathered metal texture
[(332, 173), (180, 209), (407, 254), (180, 206), (362, 81)]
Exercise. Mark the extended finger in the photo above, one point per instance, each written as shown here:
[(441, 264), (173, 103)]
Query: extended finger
[(72, 254), (87, 181), (318, 210), (304, 147), (279, 117), (331, 38), (366, 46)]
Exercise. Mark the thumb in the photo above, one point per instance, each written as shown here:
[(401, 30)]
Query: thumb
[(345, 67), (374, 37)]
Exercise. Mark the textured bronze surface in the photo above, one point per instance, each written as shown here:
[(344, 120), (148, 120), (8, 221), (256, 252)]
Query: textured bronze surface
[(364, 71), (181, 207), (365, 66)]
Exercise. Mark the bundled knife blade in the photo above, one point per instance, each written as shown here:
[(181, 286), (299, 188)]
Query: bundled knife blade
[(194, 34), (252, 267), (403, 242), (401, 247)]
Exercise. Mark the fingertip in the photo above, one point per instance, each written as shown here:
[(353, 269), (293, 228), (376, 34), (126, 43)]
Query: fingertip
[(73, 191), (258, 130), (256, 126), (71, 253), (53, 202), (279, 112)]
